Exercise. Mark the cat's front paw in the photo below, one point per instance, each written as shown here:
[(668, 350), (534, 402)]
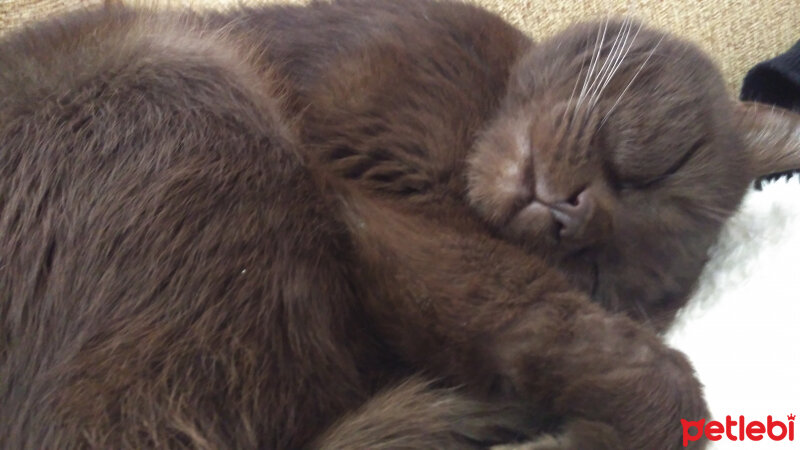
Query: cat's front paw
[(613, 383)]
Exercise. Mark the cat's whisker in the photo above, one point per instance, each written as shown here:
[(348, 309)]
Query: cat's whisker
[(591, 65), (590, 73), (609, 62), (627, 45), (611, 110), (714, 212), (619, 63), (643, 312), (574, 89), (633, 8)]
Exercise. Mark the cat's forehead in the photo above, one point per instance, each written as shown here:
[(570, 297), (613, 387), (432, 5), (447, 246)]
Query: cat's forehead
[(615, 83), (613, 55)]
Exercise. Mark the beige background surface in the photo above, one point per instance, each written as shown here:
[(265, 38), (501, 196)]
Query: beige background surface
[(737, 33)]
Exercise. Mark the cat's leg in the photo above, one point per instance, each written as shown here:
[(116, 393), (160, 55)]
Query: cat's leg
[(478, 310), (615, 384), (416, 414)]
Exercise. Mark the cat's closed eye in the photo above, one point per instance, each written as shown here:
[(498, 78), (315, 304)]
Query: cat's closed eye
[(626, 175)]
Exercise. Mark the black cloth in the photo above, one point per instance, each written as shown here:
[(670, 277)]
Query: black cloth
[(776, 82)]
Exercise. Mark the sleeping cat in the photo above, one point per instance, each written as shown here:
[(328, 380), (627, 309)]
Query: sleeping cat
[(358, 224)]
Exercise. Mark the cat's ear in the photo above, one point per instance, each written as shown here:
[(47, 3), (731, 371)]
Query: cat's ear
[(772, 137)]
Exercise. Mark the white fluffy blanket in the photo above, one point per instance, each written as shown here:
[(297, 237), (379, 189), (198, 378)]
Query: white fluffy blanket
[(742, 328)]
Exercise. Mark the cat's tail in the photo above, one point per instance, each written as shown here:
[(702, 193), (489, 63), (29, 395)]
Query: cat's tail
[(416, 414)]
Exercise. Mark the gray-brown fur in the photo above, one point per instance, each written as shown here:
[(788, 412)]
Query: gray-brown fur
[(249, 229)]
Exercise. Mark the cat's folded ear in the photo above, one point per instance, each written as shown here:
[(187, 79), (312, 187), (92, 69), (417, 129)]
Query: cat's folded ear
[(772, 137)]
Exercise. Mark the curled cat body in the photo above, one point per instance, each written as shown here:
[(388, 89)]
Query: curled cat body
[(357, 224)]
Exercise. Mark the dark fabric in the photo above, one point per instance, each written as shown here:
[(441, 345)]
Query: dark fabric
[(776, 82)]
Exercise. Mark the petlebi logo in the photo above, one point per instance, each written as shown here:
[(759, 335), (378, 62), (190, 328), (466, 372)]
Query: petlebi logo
[(738, 430)]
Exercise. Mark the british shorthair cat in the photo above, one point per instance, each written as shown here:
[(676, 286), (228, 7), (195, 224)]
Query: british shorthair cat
[(357, 224)]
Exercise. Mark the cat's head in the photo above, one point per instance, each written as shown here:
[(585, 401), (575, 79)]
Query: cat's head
[(617, 154)]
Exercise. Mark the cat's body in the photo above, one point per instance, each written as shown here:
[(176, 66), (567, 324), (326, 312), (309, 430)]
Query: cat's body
[(231, 230)]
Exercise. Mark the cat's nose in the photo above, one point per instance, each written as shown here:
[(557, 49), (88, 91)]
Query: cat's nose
[(573, 216)]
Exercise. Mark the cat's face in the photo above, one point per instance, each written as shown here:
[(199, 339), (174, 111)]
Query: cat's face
[(616, 156)]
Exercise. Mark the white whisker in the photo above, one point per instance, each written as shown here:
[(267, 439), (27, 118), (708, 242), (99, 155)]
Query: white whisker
[(619, 62), (589, 74), (611, 110), (574, 88), (643, 312), (607, 64), (591, 63)]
